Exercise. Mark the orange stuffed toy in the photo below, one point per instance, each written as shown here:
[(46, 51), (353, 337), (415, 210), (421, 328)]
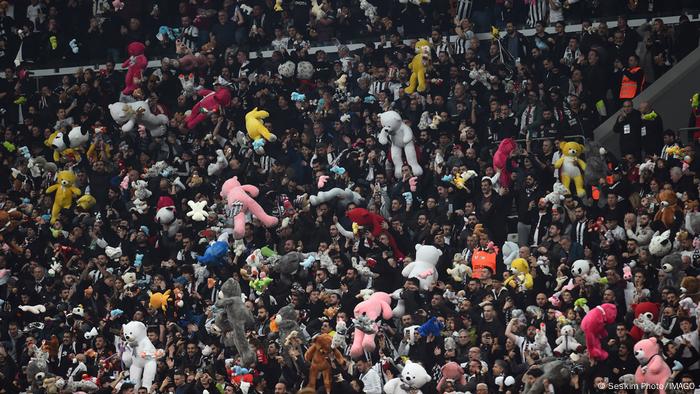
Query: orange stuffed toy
[(669, 208), (319, 356)]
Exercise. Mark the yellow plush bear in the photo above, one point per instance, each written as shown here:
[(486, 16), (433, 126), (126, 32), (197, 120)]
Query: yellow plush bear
[(571, 167), (65, 192), (417, 66), (520, 274), (256, 129)]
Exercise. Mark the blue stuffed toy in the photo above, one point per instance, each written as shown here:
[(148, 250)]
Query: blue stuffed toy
[(138, 260), (296, 96), (338, 170), (214, 254), (308, 262), (431, 327)]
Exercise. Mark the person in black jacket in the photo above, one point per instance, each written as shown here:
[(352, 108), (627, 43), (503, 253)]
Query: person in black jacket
[(628, 126), (651, 129)]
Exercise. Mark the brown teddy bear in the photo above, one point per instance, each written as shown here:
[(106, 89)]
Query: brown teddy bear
[(319, 355), (669, 208), (691, 288)]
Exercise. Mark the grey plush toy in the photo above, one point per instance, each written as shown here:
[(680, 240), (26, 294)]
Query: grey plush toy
[(37, 367), (596, 166), (286, 320), (231, 320), (287, 266), (672, 265), (557, 371)]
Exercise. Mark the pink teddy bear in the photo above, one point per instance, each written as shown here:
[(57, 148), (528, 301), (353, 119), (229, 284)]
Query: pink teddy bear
[(240, 199), (136, 63), (210, 102), (593, 325), (652, 370), (500, 160), (366, 327)]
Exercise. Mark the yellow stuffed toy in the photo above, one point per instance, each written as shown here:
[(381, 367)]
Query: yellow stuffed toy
[(159, 300), (257, 130), (520, 275), (86, 202), (65, 192), (417, 66), (571, 167)]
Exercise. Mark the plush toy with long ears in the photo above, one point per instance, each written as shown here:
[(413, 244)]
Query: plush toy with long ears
[(240, 201)]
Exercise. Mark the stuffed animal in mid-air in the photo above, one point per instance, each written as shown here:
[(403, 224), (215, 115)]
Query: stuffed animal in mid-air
[(418, 65), (240, 201), (257, 131), (571, 167), (396, 132), (140, 355), (500, 159), (136, 63), (366, 314), (62, 142), (593, 325), (130, 115), (65, 193), (231, 319), (319, 357), (211, 101)]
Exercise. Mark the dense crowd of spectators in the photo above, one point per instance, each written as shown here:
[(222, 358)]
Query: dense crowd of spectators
[(541, 89)]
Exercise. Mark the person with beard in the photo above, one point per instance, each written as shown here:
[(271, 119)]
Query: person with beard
[(628, 126), (547, 127)]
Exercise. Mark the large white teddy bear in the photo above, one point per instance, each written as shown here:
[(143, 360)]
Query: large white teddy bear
[(413, 377), (128, 115), (423, 267), (140, 355), (394, 130)]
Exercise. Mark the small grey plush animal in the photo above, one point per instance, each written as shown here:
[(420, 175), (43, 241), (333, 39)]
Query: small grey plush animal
[(232, 319), (286, 320)]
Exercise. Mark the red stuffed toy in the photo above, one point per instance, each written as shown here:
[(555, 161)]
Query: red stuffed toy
[(652, 311), (136, 63), (210, 102), (593, 325), (373, 222), (500, 160)]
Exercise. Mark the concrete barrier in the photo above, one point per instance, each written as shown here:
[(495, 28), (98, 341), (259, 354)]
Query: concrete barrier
[(669, 96)]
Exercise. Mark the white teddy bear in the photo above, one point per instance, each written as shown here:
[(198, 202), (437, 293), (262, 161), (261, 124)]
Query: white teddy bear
[(219, 165), (413, 377), (129, 115), (140, 355), (423, 267), (566, 343), (197, 213), (396, 132), (557, 195), (141, 189)]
